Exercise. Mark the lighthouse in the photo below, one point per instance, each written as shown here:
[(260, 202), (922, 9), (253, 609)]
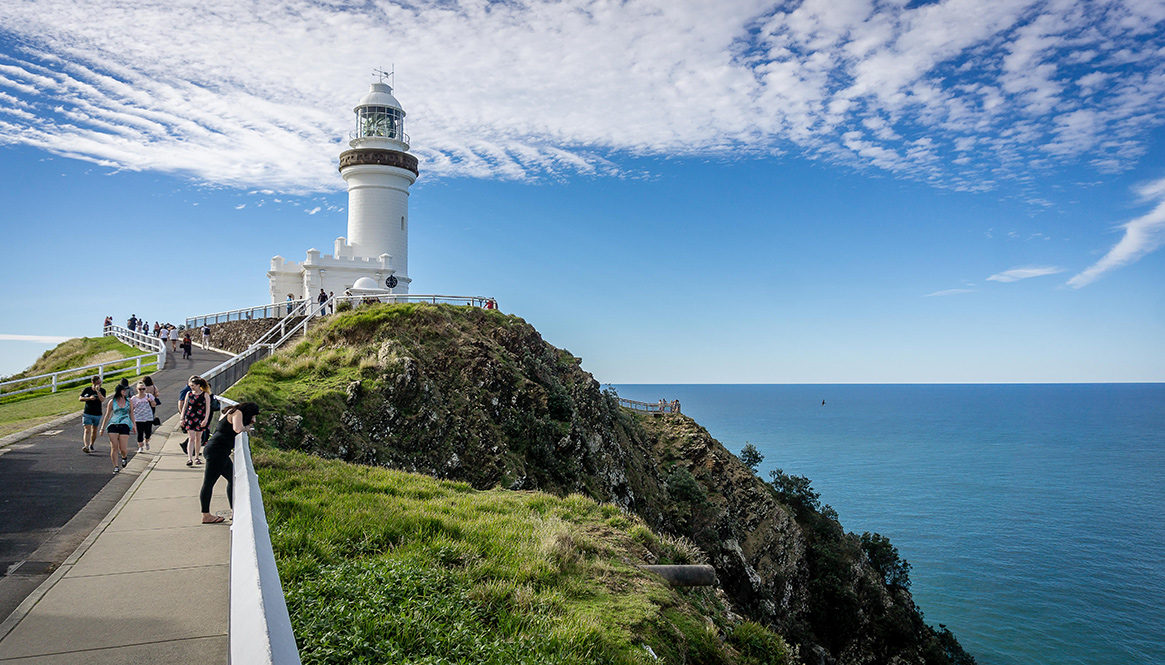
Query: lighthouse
[(378, 170)]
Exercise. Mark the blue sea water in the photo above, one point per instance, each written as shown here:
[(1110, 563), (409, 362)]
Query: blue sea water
[(1033, 515)]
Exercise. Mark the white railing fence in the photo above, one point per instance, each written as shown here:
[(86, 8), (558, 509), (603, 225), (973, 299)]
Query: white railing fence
[(55, 380), (143, 341), (271, 311), (260, 627)]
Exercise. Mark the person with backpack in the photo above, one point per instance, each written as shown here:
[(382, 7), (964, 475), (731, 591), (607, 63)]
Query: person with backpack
[(187, 345), (205, 336)]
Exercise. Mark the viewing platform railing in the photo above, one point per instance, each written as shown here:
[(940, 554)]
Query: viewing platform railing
[(285, 309), (271, 311), (661, 406)]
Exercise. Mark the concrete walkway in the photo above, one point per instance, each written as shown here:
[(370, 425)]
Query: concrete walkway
[(149, 585)]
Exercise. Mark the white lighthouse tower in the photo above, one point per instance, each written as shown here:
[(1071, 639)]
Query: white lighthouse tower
[(379, 171)]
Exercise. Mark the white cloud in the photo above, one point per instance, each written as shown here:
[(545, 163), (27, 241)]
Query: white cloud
[(949, 292), (313, 210), (959, 93), (1016, 274), (1142, 235), (40, 339)]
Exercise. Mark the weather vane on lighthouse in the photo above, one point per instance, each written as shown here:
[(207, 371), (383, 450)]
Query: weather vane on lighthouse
[(390, 74)]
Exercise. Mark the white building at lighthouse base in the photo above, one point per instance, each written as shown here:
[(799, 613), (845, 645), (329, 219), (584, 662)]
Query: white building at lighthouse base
[(334, 273)]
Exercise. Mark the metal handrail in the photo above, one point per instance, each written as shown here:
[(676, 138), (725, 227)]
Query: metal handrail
[(394, 298), (269, 311)]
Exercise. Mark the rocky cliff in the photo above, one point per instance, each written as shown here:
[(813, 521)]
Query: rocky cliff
[(478, 396)]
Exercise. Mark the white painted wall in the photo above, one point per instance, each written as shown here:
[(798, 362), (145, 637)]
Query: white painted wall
[(378, 199)]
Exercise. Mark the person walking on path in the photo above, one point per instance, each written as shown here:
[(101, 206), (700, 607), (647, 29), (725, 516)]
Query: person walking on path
[(143, 415), (119, 425), (187, 345), (164, 335), (322, 298), (195, 417), (93, 395), (205, 336), (234, 421), (173, 339)]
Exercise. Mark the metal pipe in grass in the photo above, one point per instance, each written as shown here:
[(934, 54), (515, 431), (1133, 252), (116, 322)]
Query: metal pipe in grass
[(682, 576)]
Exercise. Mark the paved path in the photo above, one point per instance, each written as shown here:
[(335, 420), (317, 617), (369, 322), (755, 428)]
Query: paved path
[(52, 495), (149, 585)]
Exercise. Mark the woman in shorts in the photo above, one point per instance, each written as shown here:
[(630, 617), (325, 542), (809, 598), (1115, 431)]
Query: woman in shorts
[(143, 415), (118, 423), (195, 417), (92, 396)]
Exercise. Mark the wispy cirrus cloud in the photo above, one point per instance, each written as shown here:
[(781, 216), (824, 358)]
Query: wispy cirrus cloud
[(1016, 274), (40, 339), (949, 292), (958, 93), (1142, 235)]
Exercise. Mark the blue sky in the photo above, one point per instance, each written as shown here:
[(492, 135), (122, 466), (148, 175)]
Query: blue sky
[(805, 192)]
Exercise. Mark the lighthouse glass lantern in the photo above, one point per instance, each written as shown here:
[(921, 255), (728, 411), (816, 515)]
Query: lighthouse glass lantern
[(380, 121), (379, 117)]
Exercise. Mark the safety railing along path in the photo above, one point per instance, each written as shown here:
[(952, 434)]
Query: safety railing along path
[(662, 406), (53, 381)]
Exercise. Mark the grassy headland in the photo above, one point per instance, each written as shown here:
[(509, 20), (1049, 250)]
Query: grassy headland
[(476, 396), (383, 566)]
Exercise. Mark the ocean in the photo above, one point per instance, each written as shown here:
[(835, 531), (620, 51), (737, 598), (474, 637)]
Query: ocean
[(1033, 515)]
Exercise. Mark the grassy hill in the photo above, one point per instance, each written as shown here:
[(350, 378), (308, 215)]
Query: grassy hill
[(478, 397), (383, 566)]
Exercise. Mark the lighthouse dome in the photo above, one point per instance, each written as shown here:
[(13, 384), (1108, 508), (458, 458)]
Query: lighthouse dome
[(379, 94)]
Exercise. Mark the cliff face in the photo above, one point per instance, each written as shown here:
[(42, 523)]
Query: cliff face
[(478, 396)]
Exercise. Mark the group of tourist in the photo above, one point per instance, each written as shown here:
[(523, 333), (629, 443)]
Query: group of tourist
[(123, 415), (169, 334), (127, 412)]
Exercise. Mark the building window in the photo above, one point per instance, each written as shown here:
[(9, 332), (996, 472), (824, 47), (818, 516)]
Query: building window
[(402, 223)]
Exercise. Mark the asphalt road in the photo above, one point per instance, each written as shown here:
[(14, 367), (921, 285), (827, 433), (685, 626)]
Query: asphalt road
[(52, 494)]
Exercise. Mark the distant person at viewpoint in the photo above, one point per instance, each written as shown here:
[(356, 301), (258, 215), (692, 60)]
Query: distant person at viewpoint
[(119, 425), (205, 336), (93, 395), (321, 299), (234, 421)]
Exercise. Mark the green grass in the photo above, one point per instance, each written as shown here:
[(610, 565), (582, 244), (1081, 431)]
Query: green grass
[(382, 566), (25, 410)]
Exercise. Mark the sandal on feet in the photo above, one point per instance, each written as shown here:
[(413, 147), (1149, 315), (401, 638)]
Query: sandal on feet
[(198, 461), (189, 462), (214, 520)]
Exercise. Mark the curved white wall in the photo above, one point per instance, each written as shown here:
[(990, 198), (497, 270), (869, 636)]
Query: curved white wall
[(378, 197)]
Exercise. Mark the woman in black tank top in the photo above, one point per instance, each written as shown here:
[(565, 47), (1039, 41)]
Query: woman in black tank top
[(234, 421)]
